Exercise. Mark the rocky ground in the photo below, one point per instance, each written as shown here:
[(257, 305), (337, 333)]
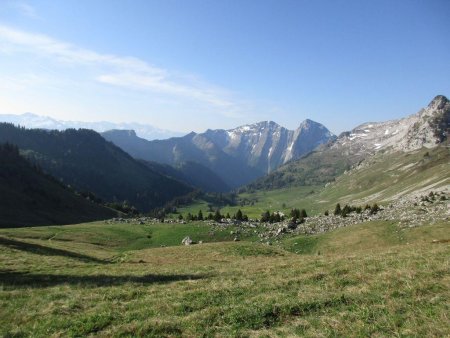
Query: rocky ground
[(409, 211)]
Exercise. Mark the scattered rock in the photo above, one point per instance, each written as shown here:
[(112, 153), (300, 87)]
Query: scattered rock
[(187, 241)]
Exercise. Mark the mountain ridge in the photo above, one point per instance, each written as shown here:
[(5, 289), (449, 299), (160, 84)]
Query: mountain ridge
[(30, 120), (237, 155), (30, 197), (427, 128), (86, 161)]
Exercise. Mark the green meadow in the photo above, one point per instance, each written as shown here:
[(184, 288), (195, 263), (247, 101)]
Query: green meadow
[(128, 280)]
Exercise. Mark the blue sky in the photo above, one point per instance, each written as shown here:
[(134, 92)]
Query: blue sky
[(192, 65)]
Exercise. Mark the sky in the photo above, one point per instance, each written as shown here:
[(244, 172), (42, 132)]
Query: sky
[(190, 65)]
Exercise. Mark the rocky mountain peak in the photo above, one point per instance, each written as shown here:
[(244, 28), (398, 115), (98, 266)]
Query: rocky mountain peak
[(310, 125), (427, 128), (439, 102)]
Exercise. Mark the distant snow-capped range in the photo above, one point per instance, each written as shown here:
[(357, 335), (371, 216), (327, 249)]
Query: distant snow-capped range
[(30, 120)]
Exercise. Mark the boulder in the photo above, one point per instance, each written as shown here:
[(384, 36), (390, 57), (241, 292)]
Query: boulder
[(187, 241)]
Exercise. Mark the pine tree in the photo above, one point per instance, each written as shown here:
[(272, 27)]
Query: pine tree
[(217, 216), (265, 217), (239, 215), (200, 215), (345, 211), (276, 217), (337, 210), (375, 208)]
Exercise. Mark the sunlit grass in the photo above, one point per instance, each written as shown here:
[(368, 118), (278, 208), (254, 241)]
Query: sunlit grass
[(370, 281)]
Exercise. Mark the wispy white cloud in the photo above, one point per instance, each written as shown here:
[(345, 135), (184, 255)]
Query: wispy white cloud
[(127, 72)]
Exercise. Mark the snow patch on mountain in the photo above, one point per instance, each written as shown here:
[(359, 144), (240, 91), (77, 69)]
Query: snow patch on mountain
[(407, 134)]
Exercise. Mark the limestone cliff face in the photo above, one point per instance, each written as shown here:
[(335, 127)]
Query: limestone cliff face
[(427, 128), (237, 156), (267, 145)]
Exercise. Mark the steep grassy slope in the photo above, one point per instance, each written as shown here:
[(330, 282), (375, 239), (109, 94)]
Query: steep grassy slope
[(67, 287), (318, 167), (384, 178), (86, 161), (380, 179), (29, 197)]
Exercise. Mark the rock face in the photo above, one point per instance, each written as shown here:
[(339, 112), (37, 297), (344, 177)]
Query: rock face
[(267, 145), (427, 128), (238, 155)]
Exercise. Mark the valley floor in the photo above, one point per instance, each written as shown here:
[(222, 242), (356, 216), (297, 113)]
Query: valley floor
[(371, 279)]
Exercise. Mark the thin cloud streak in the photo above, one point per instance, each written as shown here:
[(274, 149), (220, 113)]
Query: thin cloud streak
[(127, 72)]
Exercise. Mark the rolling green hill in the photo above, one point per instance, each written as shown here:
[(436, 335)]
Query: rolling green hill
[(29, 197), (112, 280), (84, 160)]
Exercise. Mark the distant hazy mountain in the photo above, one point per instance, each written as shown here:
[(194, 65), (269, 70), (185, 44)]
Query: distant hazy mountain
[(29, 197), (237, 156), (428, 128), (178, 150), (29, 120), (86, 161)]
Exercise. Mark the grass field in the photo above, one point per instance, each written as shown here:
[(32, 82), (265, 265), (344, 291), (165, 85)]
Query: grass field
[(276, 200), (108, 280), (384, 178)]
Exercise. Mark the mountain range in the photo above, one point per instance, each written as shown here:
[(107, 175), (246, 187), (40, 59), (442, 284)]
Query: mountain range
[(148, 174), (30, 197), (238, 156), (30, 120), (428, 128), (88, 163)]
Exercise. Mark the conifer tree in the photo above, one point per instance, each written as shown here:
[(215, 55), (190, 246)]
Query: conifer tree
[(239, 215), (337, 210)]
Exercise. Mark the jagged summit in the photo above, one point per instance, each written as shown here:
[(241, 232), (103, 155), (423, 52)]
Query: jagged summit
[(427, 128), (237, 155), (439, 102), (267, 145)]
